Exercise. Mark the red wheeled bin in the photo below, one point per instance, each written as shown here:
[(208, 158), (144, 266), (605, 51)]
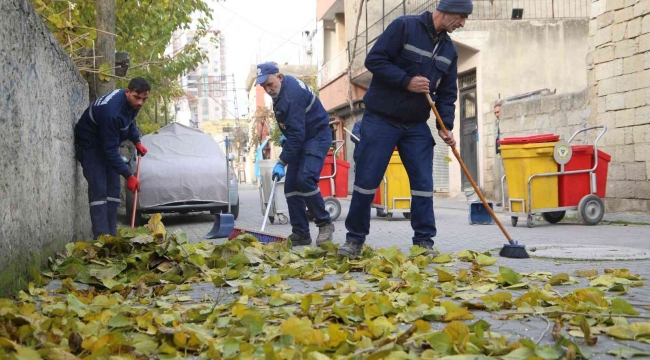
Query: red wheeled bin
[(333, 181)]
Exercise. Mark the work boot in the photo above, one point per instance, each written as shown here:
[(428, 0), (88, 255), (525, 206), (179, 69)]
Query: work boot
[(381, 212), (325, 233), (299, 240), (429, 251), (351, 249)]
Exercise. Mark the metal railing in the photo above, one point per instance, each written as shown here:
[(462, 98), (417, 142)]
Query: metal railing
[(333, 68), (483, 10)]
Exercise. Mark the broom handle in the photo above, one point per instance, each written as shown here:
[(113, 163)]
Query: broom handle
[(351, 134), (135, 199), (270, 203), (466, 172)]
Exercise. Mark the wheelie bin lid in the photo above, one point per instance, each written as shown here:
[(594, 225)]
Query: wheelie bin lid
[(589, 150), (518, 140)]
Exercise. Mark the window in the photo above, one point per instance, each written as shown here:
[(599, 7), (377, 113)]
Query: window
[(205, 103), (223, 78), (205, 117), (217, 110)]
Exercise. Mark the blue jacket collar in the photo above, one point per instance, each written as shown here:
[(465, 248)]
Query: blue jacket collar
[(426, 18)]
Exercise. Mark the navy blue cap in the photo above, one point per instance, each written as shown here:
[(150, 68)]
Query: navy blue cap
[(455, 6), (264, 70)]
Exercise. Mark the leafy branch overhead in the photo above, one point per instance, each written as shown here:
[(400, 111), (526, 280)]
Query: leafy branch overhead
[(131, 296)]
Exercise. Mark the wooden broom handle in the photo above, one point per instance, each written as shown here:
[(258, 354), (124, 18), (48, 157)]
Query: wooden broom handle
[(466, 172)]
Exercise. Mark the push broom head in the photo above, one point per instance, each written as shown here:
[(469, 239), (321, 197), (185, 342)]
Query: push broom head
[(514, 251), (261, 236)]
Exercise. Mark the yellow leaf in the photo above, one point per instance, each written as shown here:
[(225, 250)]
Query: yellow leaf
[(498, 297), (444, 276), (25, 353), (336, 335), (102, 342), (180, 339), (457, 330), (559, 279), (641, 329), (300, 329), (441, 259), (7, 344), (422, 326), (239, 310), (156, 226), (380, 327), (485, 260), (586, 273)]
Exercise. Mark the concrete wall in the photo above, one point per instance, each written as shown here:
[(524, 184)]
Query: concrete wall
[(43, 196), (619, 92), (515, 57), (558, 114)]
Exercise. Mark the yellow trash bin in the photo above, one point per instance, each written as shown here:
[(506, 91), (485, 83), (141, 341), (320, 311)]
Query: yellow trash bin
[(526, 156), (395, 191)]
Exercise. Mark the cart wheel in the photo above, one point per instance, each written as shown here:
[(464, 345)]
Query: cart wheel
[(407, 215), (591, 209), (283, 219), (333, 206), (389, 216), (554, 216), (513, 220), (530, 221), (271, 219)]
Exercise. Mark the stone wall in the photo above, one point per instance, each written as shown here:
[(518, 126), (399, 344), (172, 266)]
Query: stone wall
[(619, 92), (558, 114), (43, 196)]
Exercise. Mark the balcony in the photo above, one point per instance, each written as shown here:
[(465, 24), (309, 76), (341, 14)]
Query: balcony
[(332, 69), (483, 10)]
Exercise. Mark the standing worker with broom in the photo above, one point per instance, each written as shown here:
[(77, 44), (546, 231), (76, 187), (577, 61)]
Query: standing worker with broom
[(304, 123), (106, 123), (413, 57)]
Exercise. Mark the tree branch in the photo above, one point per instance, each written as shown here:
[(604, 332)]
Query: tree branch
[(353, 55)]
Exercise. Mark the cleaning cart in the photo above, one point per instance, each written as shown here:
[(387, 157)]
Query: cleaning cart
[(333, 182), (549, 176), (394, 193), (279, 209)]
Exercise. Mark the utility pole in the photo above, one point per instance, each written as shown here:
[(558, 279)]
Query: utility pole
[(105, 49)]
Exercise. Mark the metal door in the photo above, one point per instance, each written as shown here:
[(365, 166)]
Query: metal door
[(468, 126)]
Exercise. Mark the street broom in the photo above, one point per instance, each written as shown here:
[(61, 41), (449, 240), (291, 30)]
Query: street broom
[(512, 249), (261, 235)]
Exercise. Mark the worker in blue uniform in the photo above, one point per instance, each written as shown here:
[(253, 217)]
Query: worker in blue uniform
[(103, 126), (414, 56), (304, 124)]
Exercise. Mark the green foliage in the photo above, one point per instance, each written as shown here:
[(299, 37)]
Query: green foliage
[(143, 29)]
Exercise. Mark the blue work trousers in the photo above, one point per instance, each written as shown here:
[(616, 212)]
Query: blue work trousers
[(415, 146), (301, 184), (103, 192)]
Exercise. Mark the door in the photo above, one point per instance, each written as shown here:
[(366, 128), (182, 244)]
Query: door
[(468, 126)]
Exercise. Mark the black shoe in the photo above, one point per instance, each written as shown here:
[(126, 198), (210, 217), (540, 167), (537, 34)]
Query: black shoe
[(299, 240), (351, 249), (381, 212)]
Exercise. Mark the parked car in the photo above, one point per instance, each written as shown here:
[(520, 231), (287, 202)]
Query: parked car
[(183, 171)]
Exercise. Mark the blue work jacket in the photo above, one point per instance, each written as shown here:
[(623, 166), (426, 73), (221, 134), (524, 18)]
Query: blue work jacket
[(105, 124), (300, 115), (408, 48)]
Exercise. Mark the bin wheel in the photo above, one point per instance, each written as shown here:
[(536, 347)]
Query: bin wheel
[(283, 219), (591, 209), (530, 221), (407, 215), (272, 219), (389, 216), (513, 220), (333, 206), (553, 217)]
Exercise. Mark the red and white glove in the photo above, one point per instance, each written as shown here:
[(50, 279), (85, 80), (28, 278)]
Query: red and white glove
[(141, 149), (133, 184)]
